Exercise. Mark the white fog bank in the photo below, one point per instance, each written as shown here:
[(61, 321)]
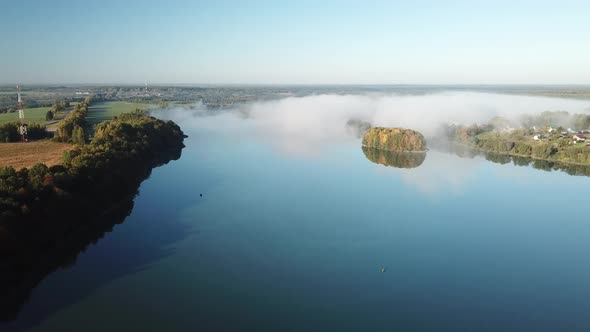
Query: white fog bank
[(306, 124)]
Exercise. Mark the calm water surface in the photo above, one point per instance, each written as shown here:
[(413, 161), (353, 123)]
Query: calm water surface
[(295, 241)]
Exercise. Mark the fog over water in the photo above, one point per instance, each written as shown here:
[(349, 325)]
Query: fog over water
[(305, 125), (275, 216), (308, 126)]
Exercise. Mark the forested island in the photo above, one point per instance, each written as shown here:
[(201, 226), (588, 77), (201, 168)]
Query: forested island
[(394, 139), (49, 214), (551, 136)]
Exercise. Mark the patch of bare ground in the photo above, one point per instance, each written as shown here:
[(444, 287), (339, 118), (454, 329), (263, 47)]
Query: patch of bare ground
[(20, 155)]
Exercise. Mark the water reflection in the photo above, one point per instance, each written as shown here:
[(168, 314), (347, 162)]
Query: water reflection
[(54, 237), (444, 173), (571, 169), (503, 159), (395, 159)]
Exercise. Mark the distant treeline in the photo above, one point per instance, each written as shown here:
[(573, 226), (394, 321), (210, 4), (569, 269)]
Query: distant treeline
[(8, 102), (556, 119), (71, 128), (9, 132)]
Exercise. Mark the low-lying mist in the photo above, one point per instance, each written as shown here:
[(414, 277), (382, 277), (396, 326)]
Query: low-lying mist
[(307, 124)]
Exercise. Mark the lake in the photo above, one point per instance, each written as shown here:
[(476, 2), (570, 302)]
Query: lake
[(291, 238)]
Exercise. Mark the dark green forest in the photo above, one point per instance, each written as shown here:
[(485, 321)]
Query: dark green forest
[(48, 214), (112, 155), (9, 132)]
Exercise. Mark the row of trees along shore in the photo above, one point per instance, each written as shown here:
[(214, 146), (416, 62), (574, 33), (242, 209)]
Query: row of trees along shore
[(110, 159), (49, 214), (519, 142)]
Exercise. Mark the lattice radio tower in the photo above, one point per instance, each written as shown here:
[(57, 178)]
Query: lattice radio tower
[(22, 129)]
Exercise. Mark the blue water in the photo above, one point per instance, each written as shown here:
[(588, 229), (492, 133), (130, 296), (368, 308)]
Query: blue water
[(296, 242)]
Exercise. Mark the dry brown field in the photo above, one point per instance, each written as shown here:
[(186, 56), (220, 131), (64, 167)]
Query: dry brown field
[(19, 155)]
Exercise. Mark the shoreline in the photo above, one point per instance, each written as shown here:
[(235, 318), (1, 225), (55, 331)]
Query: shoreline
[(476, 149)]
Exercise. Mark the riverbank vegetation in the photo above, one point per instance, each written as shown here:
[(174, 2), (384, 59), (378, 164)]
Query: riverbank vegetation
[(119, 146), (50, 211), (464, 151), (552, 136)]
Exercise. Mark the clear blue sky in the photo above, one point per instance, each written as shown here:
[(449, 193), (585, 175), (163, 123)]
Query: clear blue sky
[(308, 42)]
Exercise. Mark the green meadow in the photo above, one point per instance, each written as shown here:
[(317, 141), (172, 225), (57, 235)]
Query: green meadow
[(32, 115), (103, 111)]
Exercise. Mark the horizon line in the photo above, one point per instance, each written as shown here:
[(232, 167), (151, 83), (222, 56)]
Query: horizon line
[(291, 84)]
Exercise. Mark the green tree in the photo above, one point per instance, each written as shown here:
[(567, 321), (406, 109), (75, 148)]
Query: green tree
[(78, 135)]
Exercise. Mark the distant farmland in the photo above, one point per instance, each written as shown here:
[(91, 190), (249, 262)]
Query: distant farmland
[(32, 115), (102, 111), (97, 112), (19, 155)]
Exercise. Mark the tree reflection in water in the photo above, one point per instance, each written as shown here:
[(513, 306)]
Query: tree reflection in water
[(53, 238), (395, 159)]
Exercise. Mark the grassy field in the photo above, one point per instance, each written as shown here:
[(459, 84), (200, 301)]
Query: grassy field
[(103, 111), (32, 115), (19, 155), (97, 113)]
